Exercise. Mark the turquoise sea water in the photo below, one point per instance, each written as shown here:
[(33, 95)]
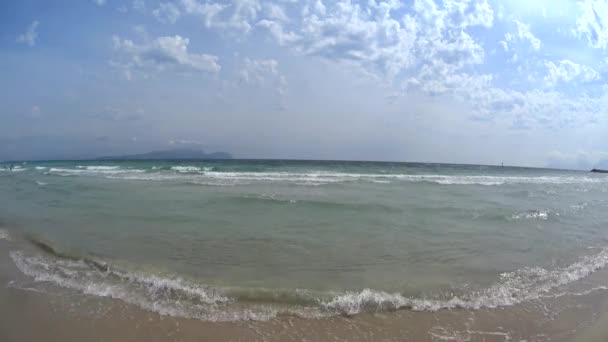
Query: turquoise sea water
[(231, 240)]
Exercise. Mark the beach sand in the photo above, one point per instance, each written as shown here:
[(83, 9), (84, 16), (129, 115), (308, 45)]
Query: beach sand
[(28, 313)]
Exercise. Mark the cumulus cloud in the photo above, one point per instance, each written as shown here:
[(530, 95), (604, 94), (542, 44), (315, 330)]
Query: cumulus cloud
[(427, 46), (523, 35), (565, 71), (370, 35), (236, 15), (163, 53), (592, 24), (30, 36), (167, 12), (276, 29)]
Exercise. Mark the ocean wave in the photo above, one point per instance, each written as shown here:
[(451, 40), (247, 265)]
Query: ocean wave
[(103, 171), (14, 169), (579, 207), (513, 288), (99, 167), (191, 169), (164, 295), (210, 176), (175, 296)]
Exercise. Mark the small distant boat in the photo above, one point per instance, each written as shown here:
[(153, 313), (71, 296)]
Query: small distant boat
[(599, 171)]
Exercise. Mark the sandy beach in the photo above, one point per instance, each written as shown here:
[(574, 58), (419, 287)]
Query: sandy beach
[(31, 312)]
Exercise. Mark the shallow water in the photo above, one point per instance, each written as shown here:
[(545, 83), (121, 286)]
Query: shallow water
[(242, 240)]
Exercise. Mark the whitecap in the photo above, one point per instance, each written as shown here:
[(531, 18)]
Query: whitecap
[(532, 214), (4, 235), (186, 169), (101, 167), (94, 171)]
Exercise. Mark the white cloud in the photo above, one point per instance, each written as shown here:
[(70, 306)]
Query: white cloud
[(276, 29), (163, 53), (139, 5), (99, 2), (370, 35), (30, 36), (261, 73), (167, 12), (275, 12), (593, 23), (536, 107), (580, 159), (236, 15), (426, 47), (505, 45), (565, 71), (524, 34)]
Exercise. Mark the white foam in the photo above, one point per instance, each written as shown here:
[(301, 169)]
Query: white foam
[(15, 168), (4, 235), (149, 292), (186, 169), (41, 183), (206, 175), (514, 287), (102, 171), (532, 214), (178, 297), (99, 167), (580, 206), (41, 168)]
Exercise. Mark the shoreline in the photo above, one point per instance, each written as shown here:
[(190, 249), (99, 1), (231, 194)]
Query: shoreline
[(32, 312)]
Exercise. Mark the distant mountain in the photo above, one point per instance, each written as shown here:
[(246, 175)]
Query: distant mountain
[(172, 154)]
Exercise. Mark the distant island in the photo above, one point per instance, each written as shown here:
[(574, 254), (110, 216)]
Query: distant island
[(599, 171), (171, 155)]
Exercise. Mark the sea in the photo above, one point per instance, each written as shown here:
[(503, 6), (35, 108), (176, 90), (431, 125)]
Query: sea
[(257, 240)]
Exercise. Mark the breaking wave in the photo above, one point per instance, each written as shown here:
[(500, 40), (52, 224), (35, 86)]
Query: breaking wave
[(175, 296), (210, 176)]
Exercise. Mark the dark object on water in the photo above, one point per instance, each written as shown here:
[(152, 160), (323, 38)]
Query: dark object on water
[(599, 171)]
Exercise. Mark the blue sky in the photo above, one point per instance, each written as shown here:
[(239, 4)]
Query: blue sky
[(472, 81)]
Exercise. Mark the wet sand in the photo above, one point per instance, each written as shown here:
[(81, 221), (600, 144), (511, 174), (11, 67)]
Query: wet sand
[(31, 311)]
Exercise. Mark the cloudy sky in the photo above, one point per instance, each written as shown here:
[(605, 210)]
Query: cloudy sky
[(474, 81)]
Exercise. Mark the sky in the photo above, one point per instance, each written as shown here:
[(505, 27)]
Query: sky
[(462, 81)]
